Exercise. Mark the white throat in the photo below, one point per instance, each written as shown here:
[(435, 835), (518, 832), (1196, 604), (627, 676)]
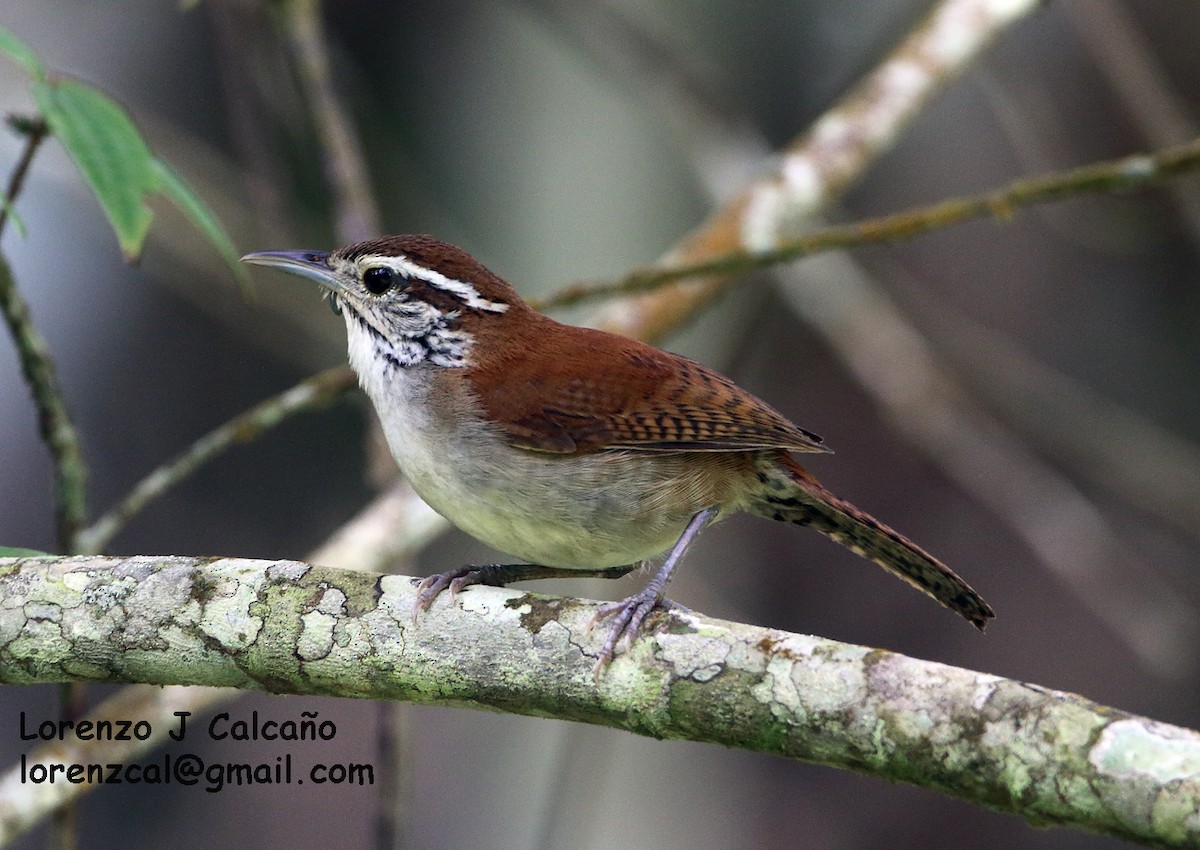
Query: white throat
[(417, 334)]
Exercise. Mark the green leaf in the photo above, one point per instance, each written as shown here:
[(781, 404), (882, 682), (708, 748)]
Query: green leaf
[(114, 159), (109, 152), (14, 552), (20, 53), (192, 205)]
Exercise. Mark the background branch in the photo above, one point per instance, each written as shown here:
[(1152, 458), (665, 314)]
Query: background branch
[(37, 367), (819, 165), (312, 392), (1120, 175), (355, 214), (1156, 470), (926, 402)]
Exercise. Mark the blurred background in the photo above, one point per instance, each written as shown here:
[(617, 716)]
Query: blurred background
[(561, 142)]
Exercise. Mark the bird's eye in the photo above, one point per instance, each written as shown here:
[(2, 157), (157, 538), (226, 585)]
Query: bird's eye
[(380, 279)]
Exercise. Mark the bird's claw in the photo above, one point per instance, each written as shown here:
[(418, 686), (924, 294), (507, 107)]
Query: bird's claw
[(430, 588), (627, 617)]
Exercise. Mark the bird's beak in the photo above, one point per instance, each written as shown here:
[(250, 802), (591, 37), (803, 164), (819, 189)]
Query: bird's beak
[(313, 265)]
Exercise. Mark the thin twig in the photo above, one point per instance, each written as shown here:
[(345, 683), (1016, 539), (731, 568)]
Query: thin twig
[(312, 392), (1118, 175), (58, 432), (356, 215), (1138, 76), (356, 211), (35, 130), (57, 429), (240, 30)]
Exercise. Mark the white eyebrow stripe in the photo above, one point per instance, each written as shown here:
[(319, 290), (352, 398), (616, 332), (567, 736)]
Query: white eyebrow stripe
[(461, 290)]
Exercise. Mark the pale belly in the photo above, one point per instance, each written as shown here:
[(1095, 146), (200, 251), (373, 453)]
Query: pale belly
[(605, 509), (601, 510)]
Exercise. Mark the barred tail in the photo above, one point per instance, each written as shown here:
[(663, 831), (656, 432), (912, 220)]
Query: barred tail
[(790, 494)]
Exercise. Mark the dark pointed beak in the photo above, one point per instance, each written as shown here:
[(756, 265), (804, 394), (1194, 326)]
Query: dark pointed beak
[(313, 265)]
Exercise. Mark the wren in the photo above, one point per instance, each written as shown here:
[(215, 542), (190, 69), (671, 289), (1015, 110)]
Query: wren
[(575, 450)]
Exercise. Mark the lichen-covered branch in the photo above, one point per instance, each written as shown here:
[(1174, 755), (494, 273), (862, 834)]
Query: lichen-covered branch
[(290, 627), (383, 535)]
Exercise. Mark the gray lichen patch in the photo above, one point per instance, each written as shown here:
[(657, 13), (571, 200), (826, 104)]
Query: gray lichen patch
[(1128, 748), (43, 611), (332, 600), (693, 657), (802, 678), (494, 605), (12, 620), (396, 599), (105, 595), (228, 617), (164, 589), (278, 570), (316, 635)]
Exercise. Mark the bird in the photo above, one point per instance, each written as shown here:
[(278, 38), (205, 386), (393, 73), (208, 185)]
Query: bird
[(578, 451)]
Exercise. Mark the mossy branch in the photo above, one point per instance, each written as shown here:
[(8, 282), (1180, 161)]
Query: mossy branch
[(290, 627)]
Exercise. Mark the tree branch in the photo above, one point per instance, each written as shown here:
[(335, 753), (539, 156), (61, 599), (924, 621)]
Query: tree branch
[(290, 627), (1118, 175), (35, 130), (58, 431), (356, 216), (821, 163), (312, 392)]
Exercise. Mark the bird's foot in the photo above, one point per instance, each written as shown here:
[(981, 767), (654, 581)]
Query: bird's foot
[(429, 589), (627, 617)]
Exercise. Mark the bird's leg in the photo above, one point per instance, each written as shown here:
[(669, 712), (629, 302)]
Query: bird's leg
[(629, 613)]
